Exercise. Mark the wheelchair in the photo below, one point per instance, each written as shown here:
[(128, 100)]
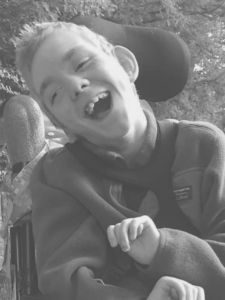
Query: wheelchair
[(164, 64)]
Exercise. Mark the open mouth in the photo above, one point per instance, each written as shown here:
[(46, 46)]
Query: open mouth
[(99, 105)]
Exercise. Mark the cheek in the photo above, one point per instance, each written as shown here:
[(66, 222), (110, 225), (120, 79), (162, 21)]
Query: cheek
[(71, 118), (62, 113)]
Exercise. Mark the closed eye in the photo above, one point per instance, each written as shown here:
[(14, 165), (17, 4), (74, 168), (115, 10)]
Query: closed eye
[(53, 97), (81, 64)]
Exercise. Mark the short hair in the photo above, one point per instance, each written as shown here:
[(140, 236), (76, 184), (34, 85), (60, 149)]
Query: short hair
[(31, 38)]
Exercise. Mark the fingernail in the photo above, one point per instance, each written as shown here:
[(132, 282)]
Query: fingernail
[(113, 244), (125, 248)]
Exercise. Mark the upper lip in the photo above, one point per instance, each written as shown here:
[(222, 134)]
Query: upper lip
[(84, 95), (94, 98)]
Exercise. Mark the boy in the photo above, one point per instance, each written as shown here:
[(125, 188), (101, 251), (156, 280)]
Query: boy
[(86, 87)]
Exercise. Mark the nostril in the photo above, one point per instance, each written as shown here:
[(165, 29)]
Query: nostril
[(78, 88), (84, 86)]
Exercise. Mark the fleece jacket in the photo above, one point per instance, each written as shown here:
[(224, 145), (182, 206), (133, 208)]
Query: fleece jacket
[(73, 206)]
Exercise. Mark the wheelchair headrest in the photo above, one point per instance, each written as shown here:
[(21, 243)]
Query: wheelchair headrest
[(24, 128), (163, 58)]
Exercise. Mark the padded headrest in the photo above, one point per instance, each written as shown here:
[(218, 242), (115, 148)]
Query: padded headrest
[(24, 128), (163, 58)]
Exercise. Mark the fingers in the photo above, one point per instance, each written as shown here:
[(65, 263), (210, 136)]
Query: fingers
[(135, 229), (192, 292), (125, 232), (200, 294), (117, 234), (178, 289)]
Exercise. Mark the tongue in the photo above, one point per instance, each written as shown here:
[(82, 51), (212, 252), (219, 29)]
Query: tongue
[(101, 106)]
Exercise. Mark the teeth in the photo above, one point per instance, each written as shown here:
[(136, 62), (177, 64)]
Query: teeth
[(102, 95), (90, 107)]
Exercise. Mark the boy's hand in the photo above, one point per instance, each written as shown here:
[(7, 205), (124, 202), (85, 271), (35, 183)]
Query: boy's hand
[(169, 288), (137, 236)]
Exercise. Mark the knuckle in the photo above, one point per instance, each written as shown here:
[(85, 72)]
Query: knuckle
[(111, 227), (117, 225), (134, 222), (125, 222), (201, 290), (164, 278)]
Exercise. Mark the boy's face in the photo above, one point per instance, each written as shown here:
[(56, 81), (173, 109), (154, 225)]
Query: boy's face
[(88, 91)]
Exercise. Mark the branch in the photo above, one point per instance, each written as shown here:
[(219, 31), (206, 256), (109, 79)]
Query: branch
[(210, 79), (213, 9), (205, 12)]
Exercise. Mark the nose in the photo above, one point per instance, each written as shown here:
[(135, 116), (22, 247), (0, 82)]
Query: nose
[(78, 85)]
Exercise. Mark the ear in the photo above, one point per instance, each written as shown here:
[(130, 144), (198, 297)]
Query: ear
[(128, 61)]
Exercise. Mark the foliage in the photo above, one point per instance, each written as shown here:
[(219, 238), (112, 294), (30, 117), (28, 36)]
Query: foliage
[(4, 166), (199, 22), (201, 25), (13, 15)]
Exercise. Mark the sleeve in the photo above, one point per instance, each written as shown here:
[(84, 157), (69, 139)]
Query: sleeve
[(200, 261), (71, 248)]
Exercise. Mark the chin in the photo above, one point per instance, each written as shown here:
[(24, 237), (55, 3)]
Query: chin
[(109, 138)]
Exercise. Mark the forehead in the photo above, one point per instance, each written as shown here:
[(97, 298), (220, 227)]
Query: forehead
[(57, 48), (63, 39)]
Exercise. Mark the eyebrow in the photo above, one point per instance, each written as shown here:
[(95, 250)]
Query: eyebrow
[(70, 53), (66, 57)]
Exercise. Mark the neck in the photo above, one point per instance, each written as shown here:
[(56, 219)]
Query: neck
[(141, 142), (138, 144), (132, 142)]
